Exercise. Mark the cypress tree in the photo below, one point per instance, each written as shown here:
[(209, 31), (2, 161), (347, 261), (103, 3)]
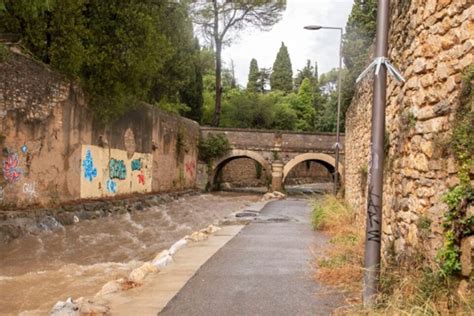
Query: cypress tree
[(282, 75), (253, 77)]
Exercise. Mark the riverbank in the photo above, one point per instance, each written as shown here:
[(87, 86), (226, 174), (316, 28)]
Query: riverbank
[(40, 268)]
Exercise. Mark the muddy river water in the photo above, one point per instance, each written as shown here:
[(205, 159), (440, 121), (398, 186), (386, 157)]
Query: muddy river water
[(37, 270)]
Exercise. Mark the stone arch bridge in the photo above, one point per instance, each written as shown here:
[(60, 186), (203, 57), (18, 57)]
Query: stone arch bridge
[(278, 152)]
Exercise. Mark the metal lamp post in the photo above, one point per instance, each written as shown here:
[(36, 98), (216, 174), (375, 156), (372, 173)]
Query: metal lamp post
[(337, 145)]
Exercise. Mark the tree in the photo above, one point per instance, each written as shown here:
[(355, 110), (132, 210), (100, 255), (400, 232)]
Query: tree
[(282, 75), (263, 81), (192, 93), (304, 107), (219, 18), (253, 77), (123, 51), (359, 36), (307, 72)]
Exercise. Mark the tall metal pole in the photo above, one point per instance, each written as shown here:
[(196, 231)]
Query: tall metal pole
[(336, 168), (374, 196)]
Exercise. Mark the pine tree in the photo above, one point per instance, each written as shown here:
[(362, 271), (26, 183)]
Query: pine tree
[(192, 93), (218, 19), (253, 77), (306, 72), (282, 75)]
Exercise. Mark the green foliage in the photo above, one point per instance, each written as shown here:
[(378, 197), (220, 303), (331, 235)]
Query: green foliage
[(462, 139), (254, 74), (359, 36), (329, 212), (212, 147), (219, 22), (122, 51), (282, 75), (457, 224), (449, 255), (308, 72), (424, 226), (4, 53), (409, 119)]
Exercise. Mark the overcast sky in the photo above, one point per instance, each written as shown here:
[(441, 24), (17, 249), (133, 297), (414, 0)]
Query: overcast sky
[(321, 46)]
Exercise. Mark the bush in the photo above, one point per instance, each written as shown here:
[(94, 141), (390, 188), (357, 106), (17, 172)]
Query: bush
[(4, 53), (329, 213), (212, 147)]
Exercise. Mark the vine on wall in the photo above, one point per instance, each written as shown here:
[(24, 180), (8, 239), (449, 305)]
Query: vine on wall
[(457, 223)]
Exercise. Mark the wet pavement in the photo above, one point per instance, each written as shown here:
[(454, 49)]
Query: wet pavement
[(265, 270)]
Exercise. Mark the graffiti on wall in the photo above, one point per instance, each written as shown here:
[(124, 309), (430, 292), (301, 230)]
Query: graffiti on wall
[(116, 172), (90, 172), (11, 169), (111, 186), (141, 178), (24, 149), (117, 169), (1, 193), (136, 165), (190, 168), (30, 190)]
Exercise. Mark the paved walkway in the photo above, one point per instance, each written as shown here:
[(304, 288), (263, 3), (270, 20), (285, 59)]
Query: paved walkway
[(264, 270)]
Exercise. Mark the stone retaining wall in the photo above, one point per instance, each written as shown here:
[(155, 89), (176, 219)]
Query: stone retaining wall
[(431, 42), (53, 150)]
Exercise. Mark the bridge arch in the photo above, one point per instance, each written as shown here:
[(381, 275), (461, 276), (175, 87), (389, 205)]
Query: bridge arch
[(236, 154), (326, 160)]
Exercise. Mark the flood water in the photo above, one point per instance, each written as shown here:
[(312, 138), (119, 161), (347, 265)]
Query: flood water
[(38, 270)]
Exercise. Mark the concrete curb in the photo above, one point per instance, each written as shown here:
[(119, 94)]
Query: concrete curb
[(150, 287), (160, 288)]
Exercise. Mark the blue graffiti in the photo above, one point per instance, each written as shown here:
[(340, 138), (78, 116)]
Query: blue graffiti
[(111, 186), (24, 149), (136, 165), (90, 172), (117, 169)]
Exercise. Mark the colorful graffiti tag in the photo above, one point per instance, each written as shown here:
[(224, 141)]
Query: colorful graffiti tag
[(90, 172), (30, 190), (11, 170), (136, 165), (141, 178), (111, 186), (117, 169), (190, 168)]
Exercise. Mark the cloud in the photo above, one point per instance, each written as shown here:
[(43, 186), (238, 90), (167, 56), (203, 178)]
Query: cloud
[(321, 46)]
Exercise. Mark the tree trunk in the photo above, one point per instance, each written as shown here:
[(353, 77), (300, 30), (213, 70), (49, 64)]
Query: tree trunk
[(217, 110), (218, 42)]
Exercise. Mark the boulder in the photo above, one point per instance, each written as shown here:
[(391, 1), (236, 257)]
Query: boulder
[(197, 236), (67, 308), (211, 229), (111, 287)]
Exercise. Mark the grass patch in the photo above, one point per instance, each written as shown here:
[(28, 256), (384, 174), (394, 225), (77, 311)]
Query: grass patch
[(406, 288), (341, 265)]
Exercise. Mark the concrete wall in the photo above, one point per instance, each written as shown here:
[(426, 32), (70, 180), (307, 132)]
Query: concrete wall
[(431, 42), (46, 132)]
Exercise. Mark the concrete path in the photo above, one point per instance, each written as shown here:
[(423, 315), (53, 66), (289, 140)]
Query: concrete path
[(264, 270)]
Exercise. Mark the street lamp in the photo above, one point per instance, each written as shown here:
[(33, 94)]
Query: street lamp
[(337, 144)]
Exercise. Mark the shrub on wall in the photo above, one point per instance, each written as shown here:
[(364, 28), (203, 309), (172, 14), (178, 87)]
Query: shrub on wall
[(457, 223), (212, 147)]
